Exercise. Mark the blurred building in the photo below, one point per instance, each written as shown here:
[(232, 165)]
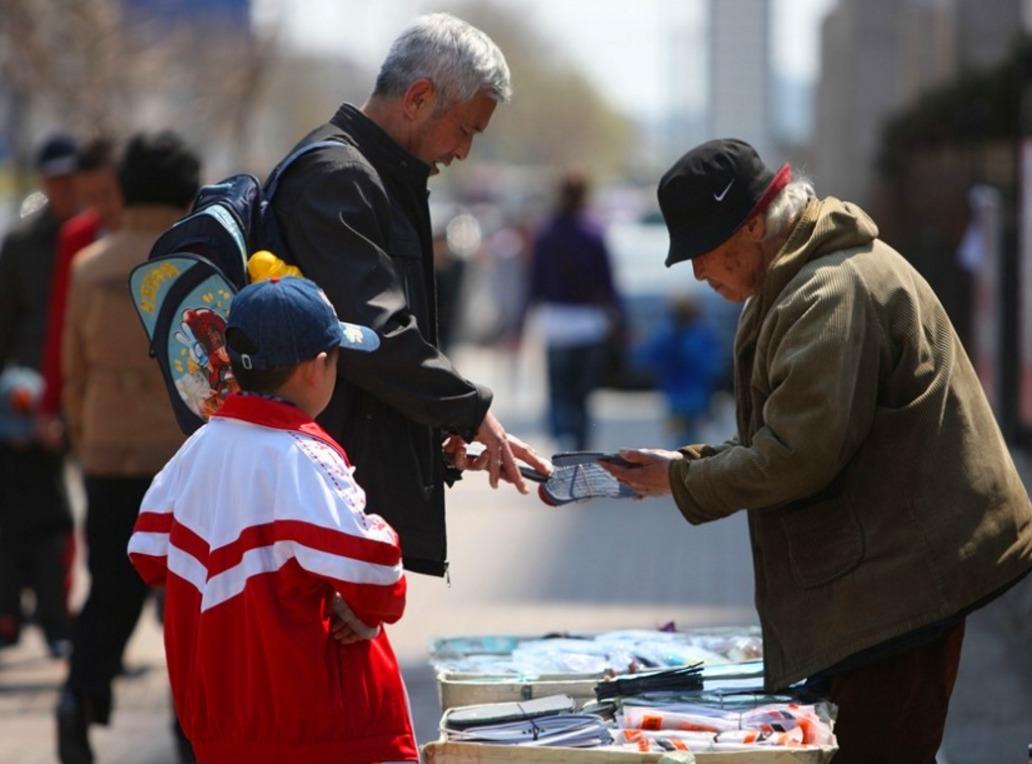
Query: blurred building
[(740, 80), (985, 29), (877, 57)]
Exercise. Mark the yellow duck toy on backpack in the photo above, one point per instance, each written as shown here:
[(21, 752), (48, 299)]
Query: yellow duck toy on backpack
[(263, 265)]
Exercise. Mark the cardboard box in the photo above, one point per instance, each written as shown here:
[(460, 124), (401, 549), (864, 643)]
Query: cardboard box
[(467, 689), (455, 690), (443, 752)]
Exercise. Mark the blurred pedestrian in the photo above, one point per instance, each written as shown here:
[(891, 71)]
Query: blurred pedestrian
[(99, 197), (571, 285), (883, 503), (688, 361), (449, 272), (35, 520), (356, 221), (121, 427)]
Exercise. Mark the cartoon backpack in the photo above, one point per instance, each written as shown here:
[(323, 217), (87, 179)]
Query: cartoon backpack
[(183, 292)]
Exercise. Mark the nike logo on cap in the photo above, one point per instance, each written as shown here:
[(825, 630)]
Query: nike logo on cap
[(720, 197)]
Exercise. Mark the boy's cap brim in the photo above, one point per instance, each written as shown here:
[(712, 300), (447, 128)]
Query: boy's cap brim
[(358, 337)]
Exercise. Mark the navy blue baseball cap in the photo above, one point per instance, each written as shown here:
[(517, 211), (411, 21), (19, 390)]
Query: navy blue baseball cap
[(282, 322), (59, 155)]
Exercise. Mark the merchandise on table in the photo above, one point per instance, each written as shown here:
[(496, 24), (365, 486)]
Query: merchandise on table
[(683, 679), (699, 727), (618, 652), (629, 695), (650, 725), (566, 730)]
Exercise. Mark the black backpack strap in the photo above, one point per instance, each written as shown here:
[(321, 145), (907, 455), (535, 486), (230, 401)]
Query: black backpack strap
[(277, 172)]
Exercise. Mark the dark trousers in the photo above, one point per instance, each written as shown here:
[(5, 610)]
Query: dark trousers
[(573, 372), (895, 709), (117, 593), (35, 540), (39, 564)]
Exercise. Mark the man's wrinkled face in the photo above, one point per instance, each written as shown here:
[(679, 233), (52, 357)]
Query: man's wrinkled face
[(736, 268), (440, 139)]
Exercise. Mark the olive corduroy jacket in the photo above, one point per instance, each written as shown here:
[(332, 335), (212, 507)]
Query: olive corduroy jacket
[(881, 494)]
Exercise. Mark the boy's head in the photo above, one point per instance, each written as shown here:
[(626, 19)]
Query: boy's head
[(282, 336)]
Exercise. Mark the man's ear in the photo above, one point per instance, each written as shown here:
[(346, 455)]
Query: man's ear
[(756, 227), (419, 99)]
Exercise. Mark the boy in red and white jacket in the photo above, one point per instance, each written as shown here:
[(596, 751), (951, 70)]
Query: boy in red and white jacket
[(257, 529)]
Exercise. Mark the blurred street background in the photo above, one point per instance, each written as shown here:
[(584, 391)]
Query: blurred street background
[(918, 110)]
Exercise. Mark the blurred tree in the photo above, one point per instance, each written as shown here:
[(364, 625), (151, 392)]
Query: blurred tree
[(91, 67), (556, 116), (978, 106)]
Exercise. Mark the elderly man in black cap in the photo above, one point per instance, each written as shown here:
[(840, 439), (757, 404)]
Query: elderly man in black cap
[(35, 521), (882, 500)]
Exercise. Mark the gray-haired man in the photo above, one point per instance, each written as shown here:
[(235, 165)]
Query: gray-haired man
[(883, 503), (355, 219)]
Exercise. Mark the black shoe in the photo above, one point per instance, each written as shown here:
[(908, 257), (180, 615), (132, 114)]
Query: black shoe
[(73, 742)]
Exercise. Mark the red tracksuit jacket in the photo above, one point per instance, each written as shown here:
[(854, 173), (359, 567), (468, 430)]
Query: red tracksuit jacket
[(251, 526)]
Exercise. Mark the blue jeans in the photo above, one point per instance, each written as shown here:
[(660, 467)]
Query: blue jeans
[(573, 372)]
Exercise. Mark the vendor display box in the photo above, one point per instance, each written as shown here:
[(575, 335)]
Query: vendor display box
[(444, 752), (457, 688)]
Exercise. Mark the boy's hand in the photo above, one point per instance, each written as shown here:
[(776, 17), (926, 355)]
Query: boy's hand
[(345, 626)]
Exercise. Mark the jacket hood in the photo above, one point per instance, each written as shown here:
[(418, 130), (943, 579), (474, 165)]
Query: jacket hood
[(825, 226)]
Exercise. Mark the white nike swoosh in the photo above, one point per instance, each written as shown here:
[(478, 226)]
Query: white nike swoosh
[(720, 197)]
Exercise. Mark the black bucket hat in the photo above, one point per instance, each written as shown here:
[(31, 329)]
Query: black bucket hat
[(711, 192)]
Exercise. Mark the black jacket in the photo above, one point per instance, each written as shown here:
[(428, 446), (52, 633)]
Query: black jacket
[(26, 264), (33, 503), (356, 221)]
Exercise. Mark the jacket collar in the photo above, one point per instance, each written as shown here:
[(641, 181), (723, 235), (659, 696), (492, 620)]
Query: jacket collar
[(824, 226), (278, 415), (375, 143)]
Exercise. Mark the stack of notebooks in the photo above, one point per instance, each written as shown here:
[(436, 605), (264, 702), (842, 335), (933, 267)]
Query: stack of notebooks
[(544, 721)]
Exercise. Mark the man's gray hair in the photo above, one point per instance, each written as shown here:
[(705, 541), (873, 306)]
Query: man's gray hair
[(456, 57), (787, 206)]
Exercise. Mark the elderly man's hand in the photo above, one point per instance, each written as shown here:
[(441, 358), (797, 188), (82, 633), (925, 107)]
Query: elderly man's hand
[(649, 473), (501, 451)]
